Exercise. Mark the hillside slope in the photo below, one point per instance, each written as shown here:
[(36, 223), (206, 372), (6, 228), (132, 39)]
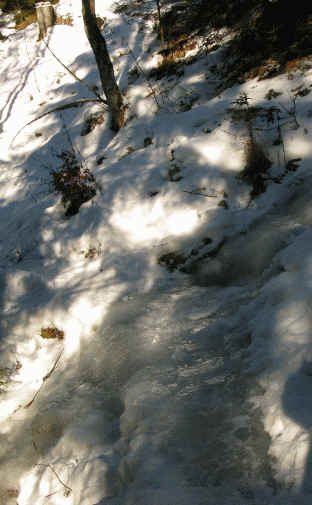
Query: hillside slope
[(155, 310)]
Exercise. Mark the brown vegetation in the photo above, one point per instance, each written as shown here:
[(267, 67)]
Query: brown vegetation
[(52, 332), (75, 183)]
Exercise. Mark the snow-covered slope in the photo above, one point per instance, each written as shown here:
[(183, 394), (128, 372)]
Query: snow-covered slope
[(182, 369)]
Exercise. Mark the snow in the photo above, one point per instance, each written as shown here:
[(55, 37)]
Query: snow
[(167, 387)]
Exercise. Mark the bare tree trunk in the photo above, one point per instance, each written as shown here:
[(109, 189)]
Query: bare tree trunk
[(110, 88), (160, 26), (45, 17), (92, 6)]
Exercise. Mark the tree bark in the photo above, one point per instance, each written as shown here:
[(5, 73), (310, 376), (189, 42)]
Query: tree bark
[(45, 17), (110, 88), (160, 27)]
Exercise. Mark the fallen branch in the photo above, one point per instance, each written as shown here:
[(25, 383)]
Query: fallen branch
[(77, 103), (199, 194), (45, 378), (68, 489)]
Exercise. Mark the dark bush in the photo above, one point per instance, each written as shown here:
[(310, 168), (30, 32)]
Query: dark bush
[(75, 183)]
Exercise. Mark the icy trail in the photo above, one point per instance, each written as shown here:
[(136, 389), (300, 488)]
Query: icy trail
[(161, 405), (166, 389), (156, 407)]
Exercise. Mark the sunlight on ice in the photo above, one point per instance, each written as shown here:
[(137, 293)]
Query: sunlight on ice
[(86, 311)]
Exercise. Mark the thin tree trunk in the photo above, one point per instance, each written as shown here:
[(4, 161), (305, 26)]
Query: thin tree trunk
[(92, 6), (161, 28), (110, 88)]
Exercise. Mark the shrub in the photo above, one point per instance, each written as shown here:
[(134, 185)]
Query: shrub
[(256, 167), (24, 18), (74, 181)]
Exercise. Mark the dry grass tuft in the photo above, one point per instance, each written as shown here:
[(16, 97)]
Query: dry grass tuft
[(64, 20), (172, 57), (52, 332)]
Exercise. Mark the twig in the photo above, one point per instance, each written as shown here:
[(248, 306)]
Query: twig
[(68, 489), (35, 396), (280, 137), (199, 194), (48, 375), (75, 76), (153, 92), (292, 111), (241, 101), (45, 378), (77, 103), (73, 148), (67, 134)]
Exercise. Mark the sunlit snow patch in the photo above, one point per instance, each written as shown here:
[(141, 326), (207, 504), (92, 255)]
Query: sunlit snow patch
[(219, 150), (143, 222)]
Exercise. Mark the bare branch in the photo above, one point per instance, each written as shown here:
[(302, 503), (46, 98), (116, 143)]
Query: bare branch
[(76, 103), (197, 193), (45, 378), (140, 69), (68, 489), (90, 88)]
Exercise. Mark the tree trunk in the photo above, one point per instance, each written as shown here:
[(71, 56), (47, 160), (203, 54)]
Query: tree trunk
[(110, 88), (92, 6), (45, 17), (160, 27)]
